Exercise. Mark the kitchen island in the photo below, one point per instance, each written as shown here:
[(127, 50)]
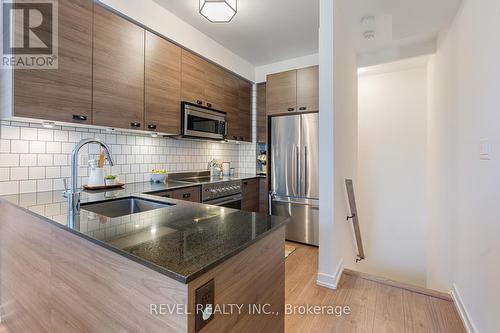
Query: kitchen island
[(138, 272)]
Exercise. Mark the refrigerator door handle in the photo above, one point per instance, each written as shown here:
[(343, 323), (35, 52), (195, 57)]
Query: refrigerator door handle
[(306, 175), (298, 203), (297, 170)]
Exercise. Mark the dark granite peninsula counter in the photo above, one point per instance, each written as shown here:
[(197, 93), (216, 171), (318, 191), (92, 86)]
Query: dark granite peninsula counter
[(137, 261)]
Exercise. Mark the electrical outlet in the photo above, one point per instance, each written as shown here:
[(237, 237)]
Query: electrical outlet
[(484, 149), (204, 305)]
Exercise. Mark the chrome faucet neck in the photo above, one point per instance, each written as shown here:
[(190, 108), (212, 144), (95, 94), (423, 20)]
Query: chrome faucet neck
[(73, 193)]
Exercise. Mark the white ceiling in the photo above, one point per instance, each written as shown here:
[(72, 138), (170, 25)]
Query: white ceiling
[(268, 31), (398, 22), (263, 31)]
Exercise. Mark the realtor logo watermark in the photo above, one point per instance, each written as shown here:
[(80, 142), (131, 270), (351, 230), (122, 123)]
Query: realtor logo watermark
[(29, 34)]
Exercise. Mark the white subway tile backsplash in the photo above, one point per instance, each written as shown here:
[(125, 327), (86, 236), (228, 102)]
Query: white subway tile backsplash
[(61, 136), (43, 185), (45, 134), (9, 132), (19, 173), (9, 160), (7, 188), (27, 186), (53, 147), (4, 174), (19, 146), (36, 172), (45, 160), (28, 133), (45, 154), (4, 146), (37, 147)]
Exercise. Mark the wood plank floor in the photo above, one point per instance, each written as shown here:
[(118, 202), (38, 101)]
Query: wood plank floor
[(375, 307)]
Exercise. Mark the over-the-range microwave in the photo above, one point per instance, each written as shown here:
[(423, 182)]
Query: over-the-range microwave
[(201, 122)]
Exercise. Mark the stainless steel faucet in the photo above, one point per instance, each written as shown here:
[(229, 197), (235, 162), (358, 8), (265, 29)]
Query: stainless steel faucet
[(73, 193)]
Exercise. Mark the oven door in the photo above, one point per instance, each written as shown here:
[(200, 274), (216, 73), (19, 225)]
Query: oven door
[(203, 123), (233, 201)]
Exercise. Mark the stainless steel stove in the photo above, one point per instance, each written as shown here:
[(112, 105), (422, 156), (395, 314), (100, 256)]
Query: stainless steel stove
[(225, 193)]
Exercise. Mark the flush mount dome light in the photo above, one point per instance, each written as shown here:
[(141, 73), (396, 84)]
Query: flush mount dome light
[(218, 11)]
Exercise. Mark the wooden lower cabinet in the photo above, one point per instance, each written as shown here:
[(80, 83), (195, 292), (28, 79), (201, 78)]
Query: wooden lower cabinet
[(192, 193), (263, 196), (250, 193)]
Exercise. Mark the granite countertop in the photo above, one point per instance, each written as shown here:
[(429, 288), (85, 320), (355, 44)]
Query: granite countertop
[(182, 240)]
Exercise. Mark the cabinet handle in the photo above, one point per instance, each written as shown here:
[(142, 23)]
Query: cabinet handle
[(199, 102), (135, 125), (209, 105), (303, 108), (152, 127), (186, 195), (79, 117), (291, 109)]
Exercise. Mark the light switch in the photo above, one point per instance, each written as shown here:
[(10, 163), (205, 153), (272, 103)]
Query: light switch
[(484, 149)]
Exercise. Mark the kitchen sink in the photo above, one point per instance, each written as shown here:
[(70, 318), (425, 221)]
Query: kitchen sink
[(123, 206)]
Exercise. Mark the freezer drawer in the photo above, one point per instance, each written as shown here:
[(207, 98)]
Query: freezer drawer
[(304, 221)]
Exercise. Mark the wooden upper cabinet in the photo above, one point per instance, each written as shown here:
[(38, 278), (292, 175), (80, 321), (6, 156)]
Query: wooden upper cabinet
[(245, 110), (162, 85), (214, 86), (261, 113), (63, 94), (308, 89), (192, 78), (231, 106), (118, 95), (282, 92)]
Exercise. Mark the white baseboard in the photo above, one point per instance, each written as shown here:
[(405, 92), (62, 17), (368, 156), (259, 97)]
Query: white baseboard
[(462, 310), (331, 281)]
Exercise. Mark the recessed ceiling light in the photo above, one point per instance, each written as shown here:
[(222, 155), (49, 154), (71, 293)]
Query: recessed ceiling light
[(218, 11), (48, 124)]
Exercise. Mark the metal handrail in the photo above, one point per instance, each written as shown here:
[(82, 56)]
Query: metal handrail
[(354, 218)]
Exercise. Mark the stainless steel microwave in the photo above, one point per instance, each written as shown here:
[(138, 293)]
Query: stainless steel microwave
[(201, 122)]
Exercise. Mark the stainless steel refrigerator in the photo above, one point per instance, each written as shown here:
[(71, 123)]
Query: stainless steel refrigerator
[(294, 174)]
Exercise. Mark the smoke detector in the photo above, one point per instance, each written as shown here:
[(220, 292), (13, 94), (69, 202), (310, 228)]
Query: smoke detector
[(369, 34)]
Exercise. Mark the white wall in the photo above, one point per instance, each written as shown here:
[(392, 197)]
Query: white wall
[(338, 141), (465, 110), (164, 22), (392, 140), (306, 61)]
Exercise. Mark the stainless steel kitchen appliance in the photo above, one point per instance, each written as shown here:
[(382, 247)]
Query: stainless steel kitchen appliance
[(294, 175), (224, 194), (201, 122)]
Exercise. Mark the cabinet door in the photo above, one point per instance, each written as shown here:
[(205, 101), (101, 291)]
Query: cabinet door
[(214, 86), (118, 94), (245, 110), (263, 196), (308, 89), (250, 193), (261, 113), (192, 194), (63, 94), (282, 92), (231, 106), (162, 85), (192, 78)]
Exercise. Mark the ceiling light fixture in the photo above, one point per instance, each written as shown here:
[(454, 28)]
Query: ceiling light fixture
[(218, 11), (48, 124)]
